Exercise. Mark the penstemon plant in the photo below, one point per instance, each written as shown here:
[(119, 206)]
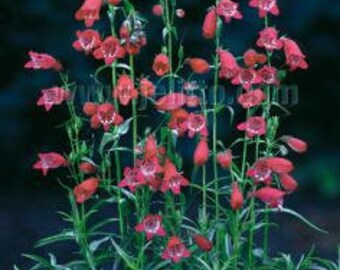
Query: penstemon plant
[(160, 217)]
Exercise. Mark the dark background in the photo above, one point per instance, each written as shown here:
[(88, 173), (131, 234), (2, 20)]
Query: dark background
[(28, 202)]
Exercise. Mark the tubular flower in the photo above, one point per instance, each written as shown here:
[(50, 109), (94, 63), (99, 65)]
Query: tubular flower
[(133, 178), (157, 10), (132, 35), (178, 121), (198, 65), (151, 225), (269, 40), (260, 172), (171, 102), (228, 9), (254, 126), (147, 88), (161, 65), (90, 108), (106, 116), (42, 61), (87, 167), (109, 50), (224, 159), (295, 144), (193, 101), (294, 57), (210, 24), (236, 198), (89, 12), (288, 182), (201, 154), (87, 41), (265, 7), (150, 148), (49, 161), (229, 67), (271, 196), (246, 78), (203, 243), (52, 96), (279, 165), (269, 75), (252, 98), (125, 90), (149, 168), (197, 124), (86, 189), (251, 58), (175, 250), (173, 180)]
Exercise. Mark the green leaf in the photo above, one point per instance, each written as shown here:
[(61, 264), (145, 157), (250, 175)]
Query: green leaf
[(94, 245), (66, 235), (127, 259), (128, 6)]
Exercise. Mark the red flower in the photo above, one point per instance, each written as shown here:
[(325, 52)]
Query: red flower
[(246, 78), (114, 2), (106, 115), (260, 172), (271, 196), (251, 58), (133, 178), (52, 96), (171, 102), (198, 65), (288, 182), (203, 243), (86, 189), (90, 108), (147, 89), (265, 7), (173, 180), (109, 50), (161, 65), (268, 75), (89, 12), (175, 250), (229, 67), (254, 126), (201, 154), (193, 101), (224, 159), (87, 167), (87, 41), (210, 24), (150, 168), (43, 61), (228, 10), (279, 165), (180, 13), (295, 144), (132, 36), (178, 121), (294, 57), (269, 39), (197, 124), (251, 98), (157, 10), (236, 199), (151, 225), (150, 148), (125, 90), (49, 161)]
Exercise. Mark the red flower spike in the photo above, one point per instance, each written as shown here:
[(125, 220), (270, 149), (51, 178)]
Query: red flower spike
[(109, 50), (224, 159), (147, 89), (89, 12), (175, 250), (210, 24), (294, 57), (157, 10), (254, 126), (252, 58), (229, 67), (271, 196), (125, 90), (87, 41), (133, 178), (203, 243), (295, 144), (106, 116), (90, 108), (265, 7), (52, 96), (151, 225), (42, 61), (246, 78), (251, 98), (49, 161), (228, 9), (201, 154), (86, 189), (198, 65), (269, 75), (171, 102), (197, 124), (279, 165), (173, 180), (193, 101), (269, 39), (236, 199), (87, 168), (161, 65), (288, 182), (180, 13)]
